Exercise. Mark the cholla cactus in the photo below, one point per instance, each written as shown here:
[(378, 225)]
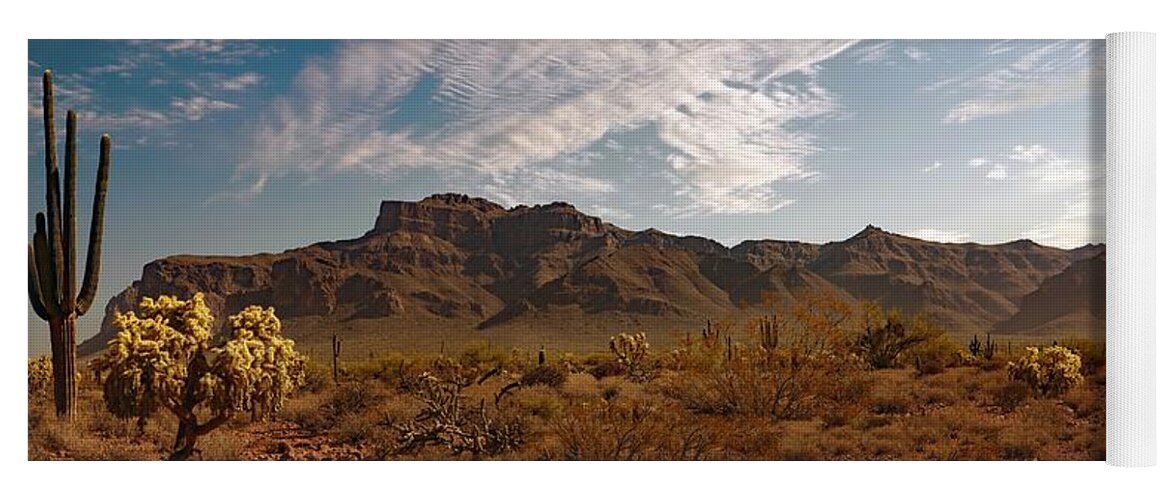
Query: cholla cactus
[(146, 363), (162, 357), (40, 376), (1049, 371), (631, 350), (258, 368)]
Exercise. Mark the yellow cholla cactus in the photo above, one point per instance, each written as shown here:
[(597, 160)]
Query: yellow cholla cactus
[(147, 360), (40, 376), (163, 357), (258, 368), (1049, 371)]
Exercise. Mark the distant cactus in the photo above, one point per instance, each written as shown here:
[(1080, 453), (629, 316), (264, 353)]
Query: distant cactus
[(986, 349), (769, 330), (52, 276), (631, 351), (336, 346), (162, 357)]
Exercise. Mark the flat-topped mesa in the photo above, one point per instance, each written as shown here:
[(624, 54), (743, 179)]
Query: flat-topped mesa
[(460, 219)]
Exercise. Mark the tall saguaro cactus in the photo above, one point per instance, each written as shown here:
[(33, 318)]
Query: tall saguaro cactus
[(52, 275)]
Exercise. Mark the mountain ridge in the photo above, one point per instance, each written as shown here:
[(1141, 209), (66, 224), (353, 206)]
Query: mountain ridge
[(453, 256)]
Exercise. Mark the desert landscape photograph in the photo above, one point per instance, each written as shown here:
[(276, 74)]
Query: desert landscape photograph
[(603, 250)]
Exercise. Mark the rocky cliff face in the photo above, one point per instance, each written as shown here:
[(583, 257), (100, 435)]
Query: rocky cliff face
[(456, 257)]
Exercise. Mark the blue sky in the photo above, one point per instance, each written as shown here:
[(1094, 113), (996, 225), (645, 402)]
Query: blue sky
[(234, 147)]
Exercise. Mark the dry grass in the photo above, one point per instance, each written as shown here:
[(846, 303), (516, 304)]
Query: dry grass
[(697, 405)]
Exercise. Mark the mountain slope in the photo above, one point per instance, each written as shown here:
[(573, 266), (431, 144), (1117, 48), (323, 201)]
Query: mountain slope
[(1069, 302)]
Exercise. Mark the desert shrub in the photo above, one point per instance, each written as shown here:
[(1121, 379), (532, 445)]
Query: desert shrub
[(1049, 372), (886, 337), (795, 382), (350, 398), (447, 421), (312, 419), (934, 355), (630, 430), (40, 377), (1011, 395), (479, 355), (317, 378), (892, 404), (929, 365), (1085, 401), (543, 375), (608, 368), (162, 357), (992, 365), (540, 402), (630, 350)]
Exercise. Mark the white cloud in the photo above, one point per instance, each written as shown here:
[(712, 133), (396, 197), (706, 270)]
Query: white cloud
[(1081, 222), (977, 162), (940, 235), (998, 173), (1061, 196), (875, 53), (916, 54), (609, 214), (933, 166), (195, 108), (240, 82), (1042, 75), (498, 107)]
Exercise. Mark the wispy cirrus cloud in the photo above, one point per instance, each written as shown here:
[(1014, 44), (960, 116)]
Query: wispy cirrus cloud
[(1020, 75), (97, 92), (721, 111)]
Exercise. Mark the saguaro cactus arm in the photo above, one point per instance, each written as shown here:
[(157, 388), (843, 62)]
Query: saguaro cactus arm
[(93, 254), (44, 263), (34, 286)]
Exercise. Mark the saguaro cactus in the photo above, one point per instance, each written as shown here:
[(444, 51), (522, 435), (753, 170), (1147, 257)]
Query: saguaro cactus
[(52, 276), (336, 345)]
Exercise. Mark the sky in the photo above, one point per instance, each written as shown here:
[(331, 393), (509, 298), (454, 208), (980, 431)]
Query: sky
[(239, 147)]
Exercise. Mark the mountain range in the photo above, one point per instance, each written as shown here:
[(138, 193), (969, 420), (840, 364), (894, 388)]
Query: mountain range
[(454, 259)]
